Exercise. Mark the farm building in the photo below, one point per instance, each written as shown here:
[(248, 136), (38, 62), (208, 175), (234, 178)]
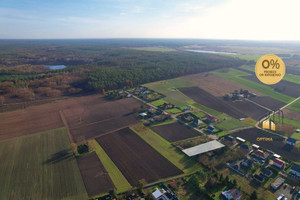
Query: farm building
[(232, 194), (295, 170), (261, 154), (203, 148), (278, 163), (291, 141), (277, 183)]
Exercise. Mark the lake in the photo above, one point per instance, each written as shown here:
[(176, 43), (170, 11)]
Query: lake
[(213, 52), (56, 66)]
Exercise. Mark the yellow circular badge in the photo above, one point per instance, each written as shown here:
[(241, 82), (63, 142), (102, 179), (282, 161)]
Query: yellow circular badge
[(270, 69)]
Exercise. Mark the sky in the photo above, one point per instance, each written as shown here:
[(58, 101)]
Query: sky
[(203, 19)]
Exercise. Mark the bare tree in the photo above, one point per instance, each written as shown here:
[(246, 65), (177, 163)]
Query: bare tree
[(1, 100)]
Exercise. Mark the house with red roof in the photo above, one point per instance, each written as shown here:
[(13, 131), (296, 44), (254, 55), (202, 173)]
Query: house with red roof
[(278, 163), (261, 154), (232, 194)]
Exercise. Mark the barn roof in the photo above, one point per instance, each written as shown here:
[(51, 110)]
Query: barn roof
[(203, 148)]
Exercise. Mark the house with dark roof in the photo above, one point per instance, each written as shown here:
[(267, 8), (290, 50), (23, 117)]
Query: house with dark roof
[(210, 118), (247, 163), (229, 138), (211, 129), (266, 172), (259, 178), (197, 122), (295, 170), (291, 141), (261, 154), (232, 194), (278, 163)]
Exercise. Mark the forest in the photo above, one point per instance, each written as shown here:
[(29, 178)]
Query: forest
[(92, 66)]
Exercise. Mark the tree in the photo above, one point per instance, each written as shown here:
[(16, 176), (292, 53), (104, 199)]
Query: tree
[(234, 183), (140, 186), (1, 100), (253, 196), (149, 196)]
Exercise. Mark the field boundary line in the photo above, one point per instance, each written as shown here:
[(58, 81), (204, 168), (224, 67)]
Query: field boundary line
[(258, 104), (62, 116)]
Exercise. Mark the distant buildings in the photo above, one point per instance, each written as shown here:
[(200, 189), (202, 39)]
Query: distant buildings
[(232, 194)]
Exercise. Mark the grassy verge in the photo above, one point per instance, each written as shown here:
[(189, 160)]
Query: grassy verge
[(166, 149), (115, 174)]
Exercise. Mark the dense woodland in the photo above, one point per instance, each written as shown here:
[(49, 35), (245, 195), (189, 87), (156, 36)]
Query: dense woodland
[(93, 66)]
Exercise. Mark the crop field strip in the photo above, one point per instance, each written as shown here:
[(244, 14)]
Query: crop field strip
[(214, 84), (95, 177), (277, 146), (40, 166), (136, 159), (175, 131), (204, 98), (86, 117), (165, 148)]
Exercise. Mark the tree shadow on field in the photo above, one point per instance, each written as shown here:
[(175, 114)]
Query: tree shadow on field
[(65, 154)]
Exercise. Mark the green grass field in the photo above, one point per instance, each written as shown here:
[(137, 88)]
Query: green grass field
[(173, 154), (288, 77), (159, 102), (295, 106), (115, 174), (174, 111), (234, 75), (168, 88), (40, 166), (229, 123)]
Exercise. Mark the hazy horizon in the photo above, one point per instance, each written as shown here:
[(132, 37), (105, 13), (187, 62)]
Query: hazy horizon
[(123, 19)]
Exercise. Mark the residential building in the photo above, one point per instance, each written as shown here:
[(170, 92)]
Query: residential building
[(232, 194), (261, 154), (295, 170), (278, 163)]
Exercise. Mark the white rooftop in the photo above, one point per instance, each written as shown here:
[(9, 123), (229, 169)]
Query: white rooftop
[(157, 194), (203, 148)]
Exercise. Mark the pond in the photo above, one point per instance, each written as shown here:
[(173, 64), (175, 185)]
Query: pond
[(213, 52), (56, 66)]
